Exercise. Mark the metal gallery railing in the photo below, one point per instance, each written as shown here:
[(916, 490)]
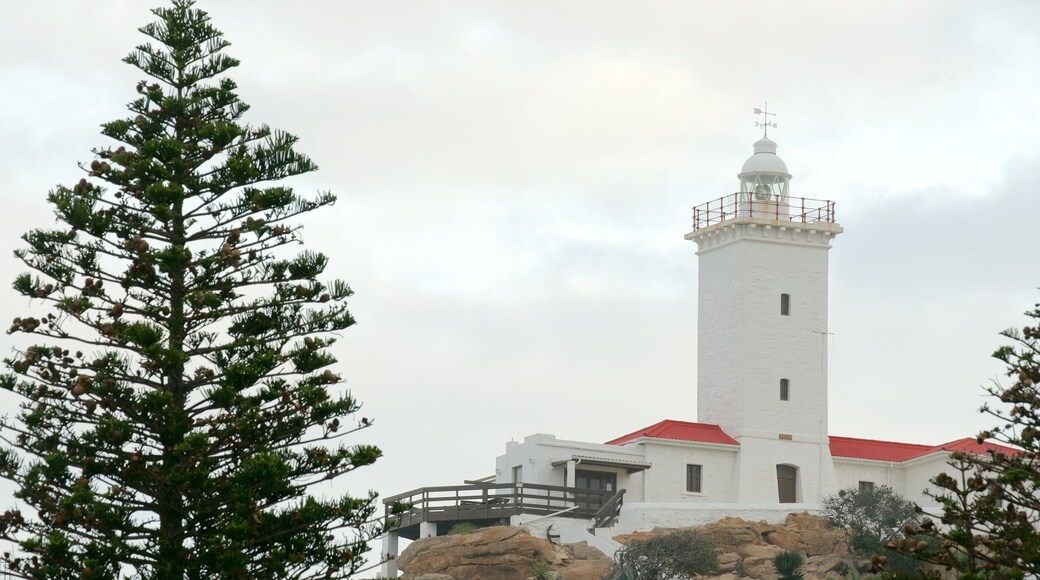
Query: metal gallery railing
[(792, 209)]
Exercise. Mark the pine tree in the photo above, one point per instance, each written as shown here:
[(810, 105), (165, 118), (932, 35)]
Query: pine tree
[(990, 523), (178, 404)]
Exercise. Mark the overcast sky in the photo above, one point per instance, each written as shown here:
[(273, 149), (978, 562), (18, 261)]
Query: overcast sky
[(515, 180)]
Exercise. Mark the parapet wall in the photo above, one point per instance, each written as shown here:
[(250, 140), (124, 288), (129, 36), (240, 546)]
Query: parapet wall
[(643, 517)]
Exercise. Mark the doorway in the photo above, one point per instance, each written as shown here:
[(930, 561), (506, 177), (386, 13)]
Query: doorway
[(594, 481), (787, 483)]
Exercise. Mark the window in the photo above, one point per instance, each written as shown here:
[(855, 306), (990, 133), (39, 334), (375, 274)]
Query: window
[(595, 480), (785, 304), (693, 478), (518, 474), (866, 486), (787, 483), (785, 390)]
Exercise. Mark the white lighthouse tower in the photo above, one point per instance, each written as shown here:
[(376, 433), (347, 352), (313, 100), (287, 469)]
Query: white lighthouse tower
[(762, 330)]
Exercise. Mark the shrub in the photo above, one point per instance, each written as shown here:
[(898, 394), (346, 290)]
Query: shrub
[(673, 556), (463, 528), (872, 519), (788, 565), (541, 571)]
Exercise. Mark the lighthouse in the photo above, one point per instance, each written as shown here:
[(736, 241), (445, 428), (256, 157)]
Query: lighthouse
[(762, 329)]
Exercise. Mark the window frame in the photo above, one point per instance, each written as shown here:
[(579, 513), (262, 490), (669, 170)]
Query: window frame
[(785, 304), (691, 469), (518, 473), (785, 389), (782, 487), (866, 486)]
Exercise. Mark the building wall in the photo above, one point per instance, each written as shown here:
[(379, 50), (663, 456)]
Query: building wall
[(909, 479), (537, 453), (852, 471), (917, 473), (745, 346), (757, 477), (642, 517), (666, 480)]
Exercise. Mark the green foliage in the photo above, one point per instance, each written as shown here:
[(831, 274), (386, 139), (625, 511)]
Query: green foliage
[(461, 528), (991, 501), (541, 571), (178, 403), (872, 519), (672, 556), (853, 573), (788, 565)]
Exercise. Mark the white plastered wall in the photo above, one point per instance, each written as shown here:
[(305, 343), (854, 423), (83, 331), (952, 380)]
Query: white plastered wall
[(757, 477), (666, 480), (917, 474), (537, 453), (746, 346), (852, 471)]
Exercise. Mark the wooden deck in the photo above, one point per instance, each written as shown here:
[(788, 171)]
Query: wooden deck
[(490, 504)]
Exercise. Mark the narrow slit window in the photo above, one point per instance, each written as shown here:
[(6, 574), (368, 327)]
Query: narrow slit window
[(785, 304), (785, 390)]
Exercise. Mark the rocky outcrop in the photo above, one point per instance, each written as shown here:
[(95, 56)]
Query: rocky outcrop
[(499, 553), (511, 553), (747, 548)]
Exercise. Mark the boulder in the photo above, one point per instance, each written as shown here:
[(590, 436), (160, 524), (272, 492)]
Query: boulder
[(783, 538), (499, 553), (746, 549), (585, 570), (728, 562), (496, 553), (728, 533)]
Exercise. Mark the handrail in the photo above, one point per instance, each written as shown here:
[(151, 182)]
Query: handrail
[(748, 205), (486, 486), (490, 501), (610, 510)]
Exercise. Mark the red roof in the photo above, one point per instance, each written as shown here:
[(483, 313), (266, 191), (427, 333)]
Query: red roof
[(850, 447), (895, 451), (972, 445), (680, 431), (877, 450)]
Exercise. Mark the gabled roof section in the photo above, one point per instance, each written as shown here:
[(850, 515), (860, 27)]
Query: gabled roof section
[(679, 431), (972, 445), (894, 451), (874, 449)]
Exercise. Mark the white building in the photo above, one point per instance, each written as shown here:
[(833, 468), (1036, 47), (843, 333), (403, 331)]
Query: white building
[(760, 447)]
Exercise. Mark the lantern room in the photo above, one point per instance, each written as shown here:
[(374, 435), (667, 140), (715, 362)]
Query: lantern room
[(764, 176)]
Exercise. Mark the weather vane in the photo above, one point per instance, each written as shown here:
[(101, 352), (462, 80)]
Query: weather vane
[(764, 123)]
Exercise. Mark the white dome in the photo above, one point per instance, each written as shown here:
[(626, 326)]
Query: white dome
[(765, 160)]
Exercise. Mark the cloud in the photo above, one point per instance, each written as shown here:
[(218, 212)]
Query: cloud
[(516, 178)]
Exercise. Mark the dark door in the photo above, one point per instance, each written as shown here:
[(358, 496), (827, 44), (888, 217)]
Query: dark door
[(600, 485), (787, 483)]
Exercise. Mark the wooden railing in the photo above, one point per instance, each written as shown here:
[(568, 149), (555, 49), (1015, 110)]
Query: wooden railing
[(491, 501), (792, 209), (610, 511)]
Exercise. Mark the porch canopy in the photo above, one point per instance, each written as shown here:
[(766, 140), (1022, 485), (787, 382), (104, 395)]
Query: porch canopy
[(630, 465)]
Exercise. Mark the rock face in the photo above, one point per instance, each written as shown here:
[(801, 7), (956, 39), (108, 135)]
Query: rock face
[(747, 548), (511, 553), (499, 553)]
